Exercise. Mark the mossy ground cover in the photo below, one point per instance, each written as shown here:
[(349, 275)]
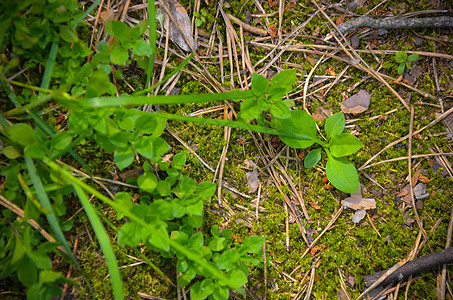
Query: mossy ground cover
[(354, 250)]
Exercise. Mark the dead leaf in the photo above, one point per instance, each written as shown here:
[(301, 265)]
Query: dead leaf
[(314, 205), (249, 164), (358, 215), (340, 19), (359, 203), (273, 30), (330, 71), (357, 103), (183, 34), (420, 191), (253, 181), (423, 179)]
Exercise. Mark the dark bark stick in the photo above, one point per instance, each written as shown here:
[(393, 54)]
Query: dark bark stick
[(395, 23), (414, 267)]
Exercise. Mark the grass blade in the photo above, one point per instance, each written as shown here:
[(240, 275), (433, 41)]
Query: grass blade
[(152, 40), (104, 242)]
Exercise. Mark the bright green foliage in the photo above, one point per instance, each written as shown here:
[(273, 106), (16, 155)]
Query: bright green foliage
[(404, 60)]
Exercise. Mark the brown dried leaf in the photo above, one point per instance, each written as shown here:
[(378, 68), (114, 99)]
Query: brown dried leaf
[(253, 181), (273, 30), (184, 32), (314, 205), (330, 71), (357, 103), (359, 203)]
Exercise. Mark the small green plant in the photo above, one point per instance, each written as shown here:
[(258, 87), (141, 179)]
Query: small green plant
[(200, 17), (404, 60), (337, 144)]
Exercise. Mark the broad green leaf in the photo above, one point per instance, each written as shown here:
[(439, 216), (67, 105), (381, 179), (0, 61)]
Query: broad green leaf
[(129, 235), (159, 238), (260, 85), (334, 125), (151, 147), (49, 276), (280, 110), (118, 29), (137, 31), (163, 188), (147, 182), (150, 124), (276, 94), (195, 209), (400, 57), (284, 79), (217, 244), (221, 293), (300, 123), (250, 109), (68, 34), (12, 153), (344, 144), (40, 259), (185, 278), (182, 265), (312, 158), (252, 244), (179, 159), (27, 272), (237, 279), (412, 57), (342, 174), (142, 48), (205, 190), (227, 259), (61, 140), (123, 157), (21, 133), (401, 68), (227, 233), (98, 84), (215, 231), (119, 55), (187, 185), (196, 241)]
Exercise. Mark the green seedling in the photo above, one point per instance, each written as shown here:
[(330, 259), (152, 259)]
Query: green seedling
[(340, 172), (404, 60), (200, 17)]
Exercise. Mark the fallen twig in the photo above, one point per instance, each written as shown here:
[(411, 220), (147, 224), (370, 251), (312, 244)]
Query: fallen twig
[(395, 23)]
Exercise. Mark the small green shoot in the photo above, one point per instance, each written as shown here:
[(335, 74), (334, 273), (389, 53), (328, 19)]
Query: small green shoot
[(200, 17), (404, 60)]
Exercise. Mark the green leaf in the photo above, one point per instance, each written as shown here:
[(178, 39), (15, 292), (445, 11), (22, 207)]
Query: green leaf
[(221, 293), (217, 244), (179, 159), (61, 140), (253, 244), (412, 57), (312, 158), (147, 182), (344, 144), (196, 241), (401, 68), (237, 279), (151, 147), (334, 125), (21, 133), (129, 234), (260, 85), (119, 55), (142, 48), (227, 233), (137, 31), (205, 190), (118, 29), (41, 260), (401, 57), (12, 153), (68, 34), (159, 238), (195, 209), (300, 123), (123, 157), (342, 174), (163, 188), (250, 109), (276, 94), (49, 276), (284, 79), (150, 124), (187, 185), (215, 231), (280, 110)]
